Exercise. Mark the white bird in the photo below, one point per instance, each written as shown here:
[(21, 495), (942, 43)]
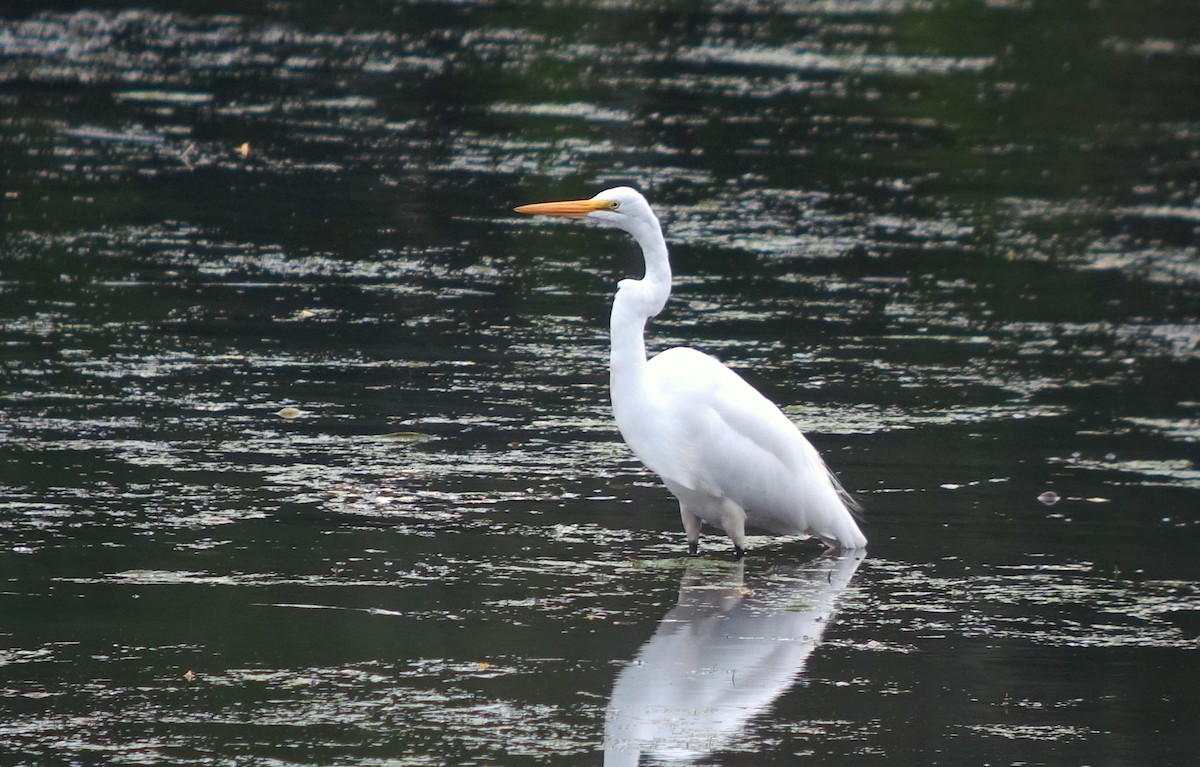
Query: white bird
[(730, 456)]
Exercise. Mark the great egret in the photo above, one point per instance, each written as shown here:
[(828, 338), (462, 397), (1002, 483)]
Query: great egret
[(730, 456)]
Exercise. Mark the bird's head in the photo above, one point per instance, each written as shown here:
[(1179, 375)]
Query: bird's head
[(620, 206)]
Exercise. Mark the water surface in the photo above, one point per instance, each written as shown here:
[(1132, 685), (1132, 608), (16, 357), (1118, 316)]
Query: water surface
[(957, 242)]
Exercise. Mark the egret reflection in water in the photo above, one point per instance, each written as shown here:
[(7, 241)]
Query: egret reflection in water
[(723, 655)]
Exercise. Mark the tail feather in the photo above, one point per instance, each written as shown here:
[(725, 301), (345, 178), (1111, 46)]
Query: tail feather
[(848, 536), (852, 503)]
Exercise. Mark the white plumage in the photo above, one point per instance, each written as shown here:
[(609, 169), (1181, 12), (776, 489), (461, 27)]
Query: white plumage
[(730, 456)]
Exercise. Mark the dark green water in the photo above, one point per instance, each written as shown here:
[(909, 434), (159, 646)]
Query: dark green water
[(959, 242)]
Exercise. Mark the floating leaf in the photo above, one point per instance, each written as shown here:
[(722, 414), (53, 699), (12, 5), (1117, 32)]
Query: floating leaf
[(406, 436)]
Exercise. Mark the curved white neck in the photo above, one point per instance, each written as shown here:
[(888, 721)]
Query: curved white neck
[(637, 301)]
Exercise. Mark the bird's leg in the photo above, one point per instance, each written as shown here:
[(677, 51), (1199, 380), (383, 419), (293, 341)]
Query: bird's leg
[(691, 526), (734, 522)]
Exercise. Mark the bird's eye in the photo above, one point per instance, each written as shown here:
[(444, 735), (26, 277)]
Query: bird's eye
[(613, 204)]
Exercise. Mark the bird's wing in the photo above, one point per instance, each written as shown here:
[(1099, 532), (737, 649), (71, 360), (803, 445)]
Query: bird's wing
[(736, 443), (715, 413)]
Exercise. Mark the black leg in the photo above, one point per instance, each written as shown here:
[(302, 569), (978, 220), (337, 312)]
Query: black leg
[(738, 551), (693, 548)]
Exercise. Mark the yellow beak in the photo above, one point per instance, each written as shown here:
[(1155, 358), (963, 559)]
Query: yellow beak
[(565, 208)]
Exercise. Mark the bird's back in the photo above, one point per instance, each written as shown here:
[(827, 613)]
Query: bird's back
[(718, 437)]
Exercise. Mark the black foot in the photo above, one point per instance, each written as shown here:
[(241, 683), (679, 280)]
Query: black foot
[(738, 551), (693, 548)]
